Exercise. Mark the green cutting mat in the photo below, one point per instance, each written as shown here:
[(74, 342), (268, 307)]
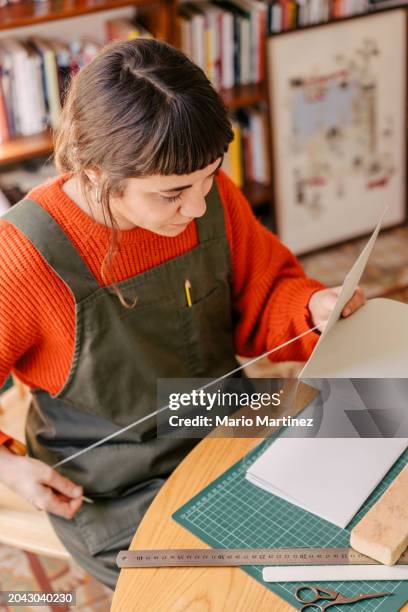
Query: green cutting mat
[(233, 513)]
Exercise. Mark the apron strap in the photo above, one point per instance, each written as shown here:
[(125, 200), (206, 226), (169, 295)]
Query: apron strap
[(212, 224), (49, 239)]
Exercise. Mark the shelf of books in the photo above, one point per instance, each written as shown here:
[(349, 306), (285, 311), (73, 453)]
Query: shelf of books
[(17, 14), (35, 72)]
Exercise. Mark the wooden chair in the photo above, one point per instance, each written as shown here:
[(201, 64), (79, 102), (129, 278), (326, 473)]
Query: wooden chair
[(21, 524)]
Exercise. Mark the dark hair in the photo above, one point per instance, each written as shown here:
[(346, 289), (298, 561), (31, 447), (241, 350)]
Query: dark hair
[(141, 107)]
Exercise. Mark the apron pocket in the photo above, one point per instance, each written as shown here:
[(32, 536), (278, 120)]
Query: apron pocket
[(208, 334)]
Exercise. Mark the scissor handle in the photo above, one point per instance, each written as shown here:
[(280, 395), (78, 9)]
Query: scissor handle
[(316, 592), (309, 607), (304, 598)]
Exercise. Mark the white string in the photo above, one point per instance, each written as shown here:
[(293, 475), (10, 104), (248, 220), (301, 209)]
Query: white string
[(163, 408)]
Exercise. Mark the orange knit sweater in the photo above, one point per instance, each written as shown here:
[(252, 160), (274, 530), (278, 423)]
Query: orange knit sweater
[(37, 323)]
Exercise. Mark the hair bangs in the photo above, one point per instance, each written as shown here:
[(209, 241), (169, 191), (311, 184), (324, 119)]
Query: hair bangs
[(186, 139)]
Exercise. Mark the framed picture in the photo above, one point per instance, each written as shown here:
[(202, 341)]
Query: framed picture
[(338, 114)]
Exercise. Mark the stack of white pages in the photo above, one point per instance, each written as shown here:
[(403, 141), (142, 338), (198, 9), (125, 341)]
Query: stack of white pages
[(330, 477)]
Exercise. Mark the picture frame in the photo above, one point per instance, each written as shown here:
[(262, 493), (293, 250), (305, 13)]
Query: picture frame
[(338, 109)]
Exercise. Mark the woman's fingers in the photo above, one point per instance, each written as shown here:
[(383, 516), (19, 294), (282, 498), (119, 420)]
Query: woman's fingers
[(355, 302), (43, 486), (48, 500), (322, 303), (59, 495), (53, 479)]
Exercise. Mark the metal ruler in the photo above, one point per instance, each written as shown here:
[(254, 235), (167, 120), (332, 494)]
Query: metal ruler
[(224, 557)]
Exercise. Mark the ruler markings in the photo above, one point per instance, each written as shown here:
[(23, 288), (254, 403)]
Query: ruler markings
[(235, 557)]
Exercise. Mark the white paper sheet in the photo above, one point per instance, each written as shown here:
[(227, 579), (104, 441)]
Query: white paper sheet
[(352, 279), (335, 573), (371, 343), (330, 477)]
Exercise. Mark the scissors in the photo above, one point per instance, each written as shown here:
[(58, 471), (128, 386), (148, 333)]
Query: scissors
[(309, 601)]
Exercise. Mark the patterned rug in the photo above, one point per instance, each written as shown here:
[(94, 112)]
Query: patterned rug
[(386, 275), (387, 270), (23, 571)]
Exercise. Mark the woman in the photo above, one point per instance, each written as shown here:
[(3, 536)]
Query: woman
[(99, 260)]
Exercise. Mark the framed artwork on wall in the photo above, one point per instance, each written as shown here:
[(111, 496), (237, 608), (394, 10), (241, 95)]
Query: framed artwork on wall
[(338, 115)]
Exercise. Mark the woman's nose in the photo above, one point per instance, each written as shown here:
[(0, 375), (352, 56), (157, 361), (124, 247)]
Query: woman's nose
[(194, 208)]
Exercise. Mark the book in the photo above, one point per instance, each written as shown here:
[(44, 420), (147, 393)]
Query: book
[(247, 143), (236, 155), (250, 40), (232, 162), (238, 30), (206, 34), (121, 28), (22, 89), (64, 65), (38, 114), (258, 125), (276, 21), (213, 42), (227, 50), (4, 126), (184, 32), (50, 79), (198, 28)]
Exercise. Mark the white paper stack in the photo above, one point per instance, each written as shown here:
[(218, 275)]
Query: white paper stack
[(330, 477)]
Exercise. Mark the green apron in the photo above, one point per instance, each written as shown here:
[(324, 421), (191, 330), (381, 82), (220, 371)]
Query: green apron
[(119, 354)]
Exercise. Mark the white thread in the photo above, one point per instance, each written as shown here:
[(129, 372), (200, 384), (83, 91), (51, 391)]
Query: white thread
[(163, 408)]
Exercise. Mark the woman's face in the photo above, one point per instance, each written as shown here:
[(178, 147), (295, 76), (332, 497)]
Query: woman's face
[(164, 204)]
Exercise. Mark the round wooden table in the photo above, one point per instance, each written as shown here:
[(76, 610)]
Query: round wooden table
[(192, 589)]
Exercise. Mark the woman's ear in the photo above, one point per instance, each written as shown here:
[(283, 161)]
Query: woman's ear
[(93, 175)]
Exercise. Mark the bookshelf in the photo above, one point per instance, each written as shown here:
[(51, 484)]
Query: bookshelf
[(24, 147), (243, 95), (24, 14), (30, 13), (159, 17)]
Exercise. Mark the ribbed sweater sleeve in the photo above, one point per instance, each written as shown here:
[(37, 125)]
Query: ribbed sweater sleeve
[(18, 330), (270, 289)]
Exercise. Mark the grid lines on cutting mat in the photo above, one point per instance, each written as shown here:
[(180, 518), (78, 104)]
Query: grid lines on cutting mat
[(233, 513)]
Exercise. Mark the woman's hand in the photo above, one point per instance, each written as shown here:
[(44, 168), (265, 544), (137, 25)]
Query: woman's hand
[(322, 302), (40, 484)]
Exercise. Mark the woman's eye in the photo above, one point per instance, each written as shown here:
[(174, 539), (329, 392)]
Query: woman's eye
[(173, 198)]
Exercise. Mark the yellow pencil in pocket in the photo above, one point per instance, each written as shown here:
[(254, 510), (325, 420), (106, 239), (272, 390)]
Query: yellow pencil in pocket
[(187, 288)]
